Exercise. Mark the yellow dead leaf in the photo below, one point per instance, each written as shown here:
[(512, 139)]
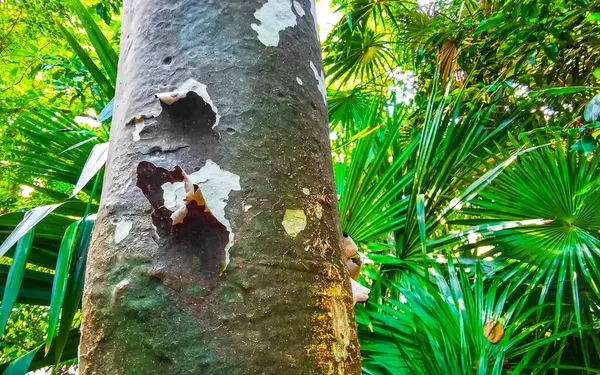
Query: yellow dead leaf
[(493, 331)]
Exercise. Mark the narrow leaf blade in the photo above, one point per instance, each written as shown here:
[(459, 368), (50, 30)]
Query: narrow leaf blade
[(60, 279), (95, 161), (29, 221), (15, 277)]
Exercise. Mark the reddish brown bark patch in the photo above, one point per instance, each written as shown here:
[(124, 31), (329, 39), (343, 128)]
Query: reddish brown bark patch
[(198, 233)]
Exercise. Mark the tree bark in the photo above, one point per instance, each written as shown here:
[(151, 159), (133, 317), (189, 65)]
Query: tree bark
[(217, 247)]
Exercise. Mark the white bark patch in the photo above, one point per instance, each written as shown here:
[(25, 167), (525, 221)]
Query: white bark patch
[(299, 81), (274, 16), (181, 92), (174, 195), (298, 8), (138, 129), (155, 232), (119, 288), (215, 184), (122, 229), (294, 222), (320, 77)]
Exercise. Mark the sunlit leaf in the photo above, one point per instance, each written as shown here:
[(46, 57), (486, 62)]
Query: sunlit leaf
[(21, 365), (94, 163), (107, 111), (15, 277), (60, 279), (29, 221)]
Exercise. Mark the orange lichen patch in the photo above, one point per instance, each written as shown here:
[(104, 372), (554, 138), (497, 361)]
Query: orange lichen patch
[(341, 325), (333, 331), (493, 331)]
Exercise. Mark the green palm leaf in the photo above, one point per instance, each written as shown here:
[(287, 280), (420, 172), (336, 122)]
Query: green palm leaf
[(442, 325), (565, 245), (15, 277), (61, 278), (37, 358), (558, 248)]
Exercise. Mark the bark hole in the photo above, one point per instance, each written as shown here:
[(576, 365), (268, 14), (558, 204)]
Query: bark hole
[(182, 219), (190, 110)]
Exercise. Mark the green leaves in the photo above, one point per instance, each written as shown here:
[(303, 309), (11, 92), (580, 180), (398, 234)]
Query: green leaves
[(559, 90), (74, 287), (438, 326), (108, 57), (67, 283), (107, 111), (31, 219), (592, 17), (92, 166), (106, 54), (21, 365), (585, 145), (365, 213), (489, 23), (15, 277), (37, 358), (560, 253), (44, 148), (551, 50), (105, 85), (60, 279)]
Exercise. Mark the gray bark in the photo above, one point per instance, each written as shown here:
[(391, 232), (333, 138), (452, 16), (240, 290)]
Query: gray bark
[(241, 126)]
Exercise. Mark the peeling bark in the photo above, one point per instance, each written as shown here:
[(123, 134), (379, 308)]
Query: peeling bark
[(219, 148)]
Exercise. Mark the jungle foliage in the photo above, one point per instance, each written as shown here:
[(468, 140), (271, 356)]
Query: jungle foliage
[(464, 139)]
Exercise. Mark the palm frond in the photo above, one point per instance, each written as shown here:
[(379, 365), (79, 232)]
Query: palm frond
[(561, 249), (453, 324)]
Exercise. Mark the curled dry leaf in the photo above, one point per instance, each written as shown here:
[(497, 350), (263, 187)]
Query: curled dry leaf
[(493, 331), (349, 247), (179, 215), (359, 292), (192, 194), (353, 266), (171, 97)]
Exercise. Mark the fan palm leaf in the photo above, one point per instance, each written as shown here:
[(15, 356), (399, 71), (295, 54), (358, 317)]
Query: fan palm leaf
[(543, 232), (458, 324)]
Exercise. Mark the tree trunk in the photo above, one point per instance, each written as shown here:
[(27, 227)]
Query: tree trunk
[(217, 247)]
